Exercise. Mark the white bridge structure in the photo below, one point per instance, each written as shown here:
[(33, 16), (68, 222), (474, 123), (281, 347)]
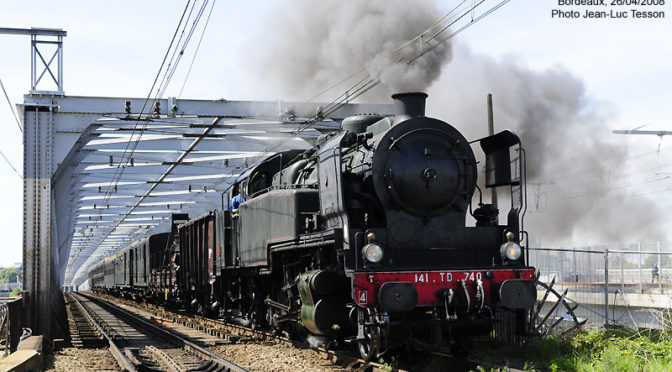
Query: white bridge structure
[(100, 172)]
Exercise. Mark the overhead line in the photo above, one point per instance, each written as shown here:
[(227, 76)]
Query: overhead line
[(365, 86), (620, 160), (11, 108), (430, 28), (368, 82), (144, 126), (172, 57), (405, 44), (488, 12), (423, 52), (10, 164), (150, 91), (198, 46), (120, 170), (454, 21), (162, 86), (621, 197), (164, 175), (182, 49), (620, 187)]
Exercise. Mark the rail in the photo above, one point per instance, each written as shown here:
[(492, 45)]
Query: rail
[(124, 363), (226, 329), (204, 353)]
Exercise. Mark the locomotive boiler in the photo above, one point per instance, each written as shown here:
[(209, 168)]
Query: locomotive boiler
[(366, 238)]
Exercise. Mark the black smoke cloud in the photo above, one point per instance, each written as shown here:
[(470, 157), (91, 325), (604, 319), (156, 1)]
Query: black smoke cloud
[(570, 150), (316, 44)]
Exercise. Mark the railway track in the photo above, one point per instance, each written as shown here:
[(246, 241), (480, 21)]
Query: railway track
[(83, 333), (139, 345), (230, 332), (343, 360)]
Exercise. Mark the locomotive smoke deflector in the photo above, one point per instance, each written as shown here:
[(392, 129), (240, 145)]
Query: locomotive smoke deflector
[(498, 171), (408, 105)]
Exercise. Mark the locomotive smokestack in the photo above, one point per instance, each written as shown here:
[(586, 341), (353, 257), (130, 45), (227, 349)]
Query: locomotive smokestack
[(409, 105)]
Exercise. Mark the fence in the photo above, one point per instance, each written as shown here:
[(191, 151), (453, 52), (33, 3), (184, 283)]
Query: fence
[(630, 286), (10, 325)]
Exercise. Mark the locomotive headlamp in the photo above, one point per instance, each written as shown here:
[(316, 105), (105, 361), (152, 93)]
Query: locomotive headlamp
[(373, 252), (511, 250), (510, 236)]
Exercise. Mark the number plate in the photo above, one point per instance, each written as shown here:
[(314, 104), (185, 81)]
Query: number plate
[(428, 283), (447, 277)]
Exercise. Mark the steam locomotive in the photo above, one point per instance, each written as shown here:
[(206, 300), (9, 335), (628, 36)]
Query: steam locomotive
[(362, 239)]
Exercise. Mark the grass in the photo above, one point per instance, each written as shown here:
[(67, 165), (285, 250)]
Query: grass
[(615, 349)]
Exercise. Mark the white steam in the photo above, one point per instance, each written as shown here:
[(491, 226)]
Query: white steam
[(316, 341)]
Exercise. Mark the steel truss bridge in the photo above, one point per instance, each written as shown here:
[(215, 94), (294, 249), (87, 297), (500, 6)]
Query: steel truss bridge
[(100, 172)]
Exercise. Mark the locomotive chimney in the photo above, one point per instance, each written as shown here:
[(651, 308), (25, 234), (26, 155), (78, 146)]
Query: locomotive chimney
[(408, 105)]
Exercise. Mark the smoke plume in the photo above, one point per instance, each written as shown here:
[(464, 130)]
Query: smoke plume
[(319, 43), (573, 161)]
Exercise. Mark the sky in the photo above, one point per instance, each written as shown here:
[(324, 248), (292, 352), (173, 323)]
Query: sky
[(115, 48)]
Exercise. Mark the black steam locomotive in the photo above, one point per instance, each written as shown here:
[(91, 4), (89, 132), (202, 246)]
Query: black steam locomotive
[(362, 239)]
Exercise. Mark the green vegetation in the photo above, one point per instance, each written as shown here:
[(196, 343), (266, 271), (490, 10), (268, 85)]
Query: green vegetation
[(9, 275), (15, 292), (652, 260), (389, 366), (599, 350)]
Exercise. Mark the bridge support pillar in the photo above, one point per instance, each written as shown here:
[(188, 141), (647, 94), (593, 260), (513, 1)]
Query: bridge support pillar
[(41, 282)]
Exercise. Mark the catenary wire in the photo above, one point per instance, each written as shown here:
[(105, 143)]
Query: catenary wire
[(198, 46), (11, 108), (367, 83), (353, 93), (395, 50), (10, 164), (120, 170)]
